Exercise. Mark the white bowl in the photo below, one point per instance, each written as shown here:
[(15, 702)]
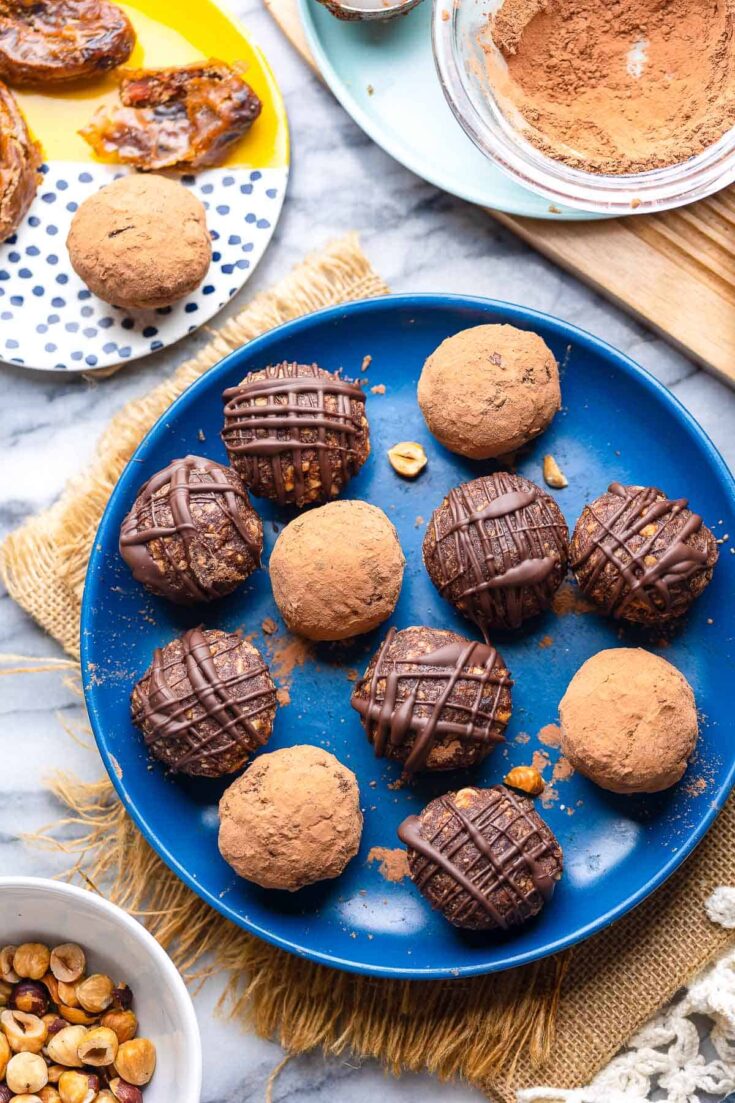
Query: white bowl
[(33, 909)]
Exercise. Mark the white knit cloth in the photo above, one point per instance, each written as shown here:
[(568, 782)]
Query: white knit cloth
[(666, 1057)]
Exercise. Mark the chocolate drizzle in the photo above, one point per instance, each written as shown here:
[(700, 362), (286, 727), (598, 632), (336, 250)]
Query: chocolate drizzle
[(503, 561), (399, 710), (510, 843), (189, 479), (281, 417), (198, 703), (640, 574)]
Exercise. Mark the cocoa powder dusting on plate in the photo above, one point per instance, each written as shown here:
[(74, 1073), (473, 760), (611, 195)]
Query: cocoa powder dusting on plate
[(393, 863), (615, 86)]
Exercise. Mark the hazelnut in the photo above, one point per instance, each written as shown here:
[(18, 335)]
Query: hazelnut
[(66, 994), (122, 997), (7, 972), (99, 1047), (26, 1072), (136, 1061), (76, 1015), (124, 1092), (527, 779), (553, 474), (63, 1048), (68, 962), (30, 996), (407, 458), (74, 1087), (54, 1072), (5, 1094), (26, 1033), (25, 1099), (95, 993), (6, 992), (53, 1024), (124, 1024), (4, 1054), (31, 960), (50, 1095), (105, 1096)]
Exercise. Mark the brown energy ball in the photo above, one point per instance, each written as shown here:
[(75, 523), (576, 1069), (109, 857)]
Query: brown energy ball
[(293, 818), (206, 703), (484, 858), (629, 721), (434, 700), (337, 571), (488, 390), (295, 432), (640, 556), (496, 548), (140, 242), (192, 534)]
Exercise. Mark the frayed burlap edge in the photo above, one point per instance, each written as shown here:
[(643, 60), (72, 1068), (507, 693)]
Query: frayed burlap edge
[(43, 563)]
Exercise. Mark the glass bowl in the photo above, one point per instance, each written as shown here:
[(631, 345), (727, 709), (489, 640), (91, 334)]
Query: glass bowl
[(456, 28)]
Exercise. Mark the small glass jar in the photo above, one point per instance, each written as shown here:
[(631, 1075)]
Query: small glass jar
[(457, 25)]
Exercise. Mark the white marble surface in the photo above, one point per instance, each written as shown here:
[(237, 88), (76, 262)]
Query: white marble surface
[(420, 240)]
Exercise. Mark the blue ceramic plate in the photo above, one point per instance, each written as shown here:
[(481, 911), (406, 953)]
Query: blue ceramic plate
[(384, 76), (617, 423)]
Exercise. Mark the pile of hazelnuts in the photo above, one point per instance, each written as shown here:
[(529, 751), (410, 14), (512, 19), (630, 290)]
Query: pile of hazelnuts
[(67, 1036)]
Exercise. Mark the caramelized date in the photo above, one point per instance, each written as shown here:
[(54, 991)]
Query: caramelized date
[(20, 158), (185, 117), (53, 41)]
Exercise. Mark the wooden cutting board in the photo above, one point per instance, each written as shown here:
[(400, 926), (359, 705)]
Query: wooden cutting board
[(675, 271)]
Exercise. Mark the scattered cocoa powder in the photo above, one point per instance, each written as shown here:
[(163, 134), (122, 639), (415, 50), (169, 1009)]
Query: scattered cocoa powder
[(568, 599), (563, 769), (550, 735), (545, 641), (393, 863), (615, 86), (540, 761)]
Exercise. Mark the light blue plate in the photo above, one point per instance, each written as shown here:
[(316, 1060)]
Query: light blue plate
[(617, 423), (383, 74)]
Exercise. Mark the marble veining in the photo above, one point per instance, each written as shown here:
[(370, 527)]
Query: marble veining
[(420, 240)]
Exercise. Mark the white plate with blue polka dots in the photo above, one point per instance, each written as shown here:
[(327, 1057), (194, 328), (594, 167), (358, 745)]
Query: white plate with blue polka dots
[(49, 319)]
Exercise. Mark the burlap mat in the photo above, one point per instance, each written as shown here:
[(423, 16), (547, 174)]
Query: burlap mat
[(556, 1022)]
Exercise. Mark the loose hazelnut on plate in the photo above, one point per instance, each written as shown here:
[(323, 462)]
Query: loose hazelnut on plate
[(26, 1072), (66, 994), (50, 1095), (54, 1072), (124, 1092), (122, 997), (99, 1047), (63, 1048), (31, 960), (95, 993), (21, 1098), (25, 1033), (7, 972), (4, 1054), (136, 1061), (77, 1087), (31, 996), (6, 993), (77, 1016), (68, 962), (123, 1023)]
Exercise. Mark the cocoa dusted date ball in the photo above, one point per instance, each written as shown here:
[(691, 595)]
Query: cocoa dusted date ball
[(206, 703), (496, 548), (192, 534), (640, 556), (296, 433), (434, 700), (484, 858)]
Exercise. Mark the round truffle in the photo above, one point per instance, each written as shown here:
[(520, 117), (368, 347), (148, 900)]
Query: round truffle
[(295, 432), (192, 534), (496, 548), (489, 390), (337, 571), (640, 556), (293, 818), (629, 721), (434, 700), (484, 858), (206, 703), (140, 242)]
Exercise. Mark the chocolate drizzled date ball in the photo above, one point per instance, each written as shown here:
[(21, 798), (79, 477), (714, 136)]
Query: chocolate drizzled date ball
[(295, 432), (206, 703), (192, 534), (484, 858), (641, 556), (496, 548), (433, 700)]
